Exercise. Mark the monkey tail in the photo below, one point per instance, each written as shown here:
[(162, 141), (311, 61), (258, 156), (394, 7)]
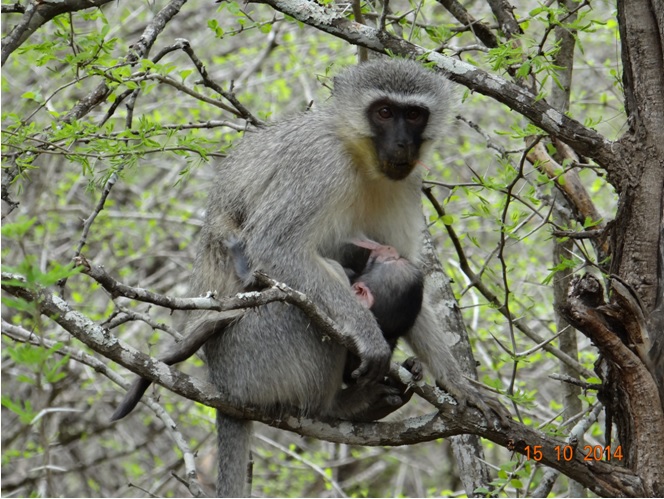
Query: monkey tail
[(233, 439)]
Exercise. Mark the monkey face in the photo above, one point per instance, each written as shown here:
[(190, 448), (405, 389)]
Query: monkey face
[(397, 136)]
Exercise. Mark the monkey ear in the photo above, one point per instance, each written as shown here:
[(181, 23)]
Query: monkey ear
[(363, 294)]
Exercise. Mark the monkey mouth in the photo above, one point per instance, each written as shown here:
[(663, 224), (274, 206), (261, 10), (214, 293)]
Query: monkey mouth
[(398, 171)]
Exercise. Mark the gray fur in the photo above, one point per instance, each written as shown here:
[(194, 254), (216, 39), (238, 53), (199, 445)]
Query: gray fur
[(293, 195)]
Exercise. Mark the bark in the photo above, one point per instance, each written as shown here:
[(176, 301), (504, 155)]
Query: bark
[(641, 166), (568, 344), (630, 324), (468, 451), (629, 392), (637, 239)]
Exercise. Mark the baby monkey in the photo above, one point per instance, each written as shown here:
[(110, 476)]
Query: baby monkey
[(390, 286)]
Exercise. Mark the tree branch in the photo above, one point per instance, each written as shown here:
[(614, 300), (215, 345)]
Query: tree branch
[(599, 476), (584, 140), (520, 322), (481, 30), (15, 8), (35, 15), (140, 49), (612, 326)]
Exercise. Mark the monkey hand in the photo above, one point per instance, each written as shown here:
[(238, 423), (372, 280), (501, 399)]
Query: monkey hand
[(414, 367), (375, 355), (371, 402)]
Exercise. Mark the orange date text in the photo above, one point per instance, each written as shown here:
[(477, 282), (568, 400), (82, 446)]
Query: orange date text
[(566, 453)]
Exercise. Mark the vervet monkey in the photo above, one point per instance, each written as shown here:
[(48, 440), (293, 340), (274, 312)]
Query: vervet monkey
[(385, 283), (388, 285), (295, 192)]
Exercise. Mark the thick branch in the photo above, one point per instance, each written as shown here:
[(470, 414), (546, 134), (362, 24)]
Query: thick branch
[(276, 291), (609, 326), (480, 29), (467, 449), (642, 43), (503, 11), (639, 171)]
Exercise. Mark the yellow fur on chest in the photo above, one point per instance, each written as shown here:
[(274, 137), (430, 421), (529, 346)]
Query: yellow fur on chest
[(370, 205), (388, 212), (363, 156)]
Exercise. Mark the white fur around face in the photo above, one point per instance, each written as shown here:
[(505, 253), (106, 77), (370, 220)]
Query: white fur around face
[(399, 80)]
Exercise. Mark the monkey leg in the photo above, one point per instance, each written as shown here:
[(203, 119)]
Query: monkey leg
[(368, 402)]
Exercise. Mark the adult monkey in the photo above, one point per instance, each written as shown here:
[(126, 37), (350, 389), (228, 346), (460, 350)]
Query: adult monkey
[(387, 284), (295, 192)]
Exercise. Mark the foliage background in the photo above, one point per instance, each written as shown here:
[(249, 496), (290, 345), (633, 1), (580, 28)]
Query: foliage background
[(56, 434)]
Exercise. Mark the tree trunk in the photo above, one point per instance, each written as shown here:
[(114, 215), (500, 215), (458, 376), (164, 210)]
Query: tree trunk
[(628, 329)]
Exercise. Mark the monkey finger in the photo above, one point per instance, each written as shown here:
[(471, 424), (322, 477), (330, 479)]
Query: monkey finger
[(492, 410), (374, 362), (384, 399), (371, 370), (415, 367), (468, 396)]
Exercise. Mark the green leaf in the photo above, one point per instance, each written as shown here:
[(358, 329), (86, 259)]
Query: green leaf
[(447, 219)]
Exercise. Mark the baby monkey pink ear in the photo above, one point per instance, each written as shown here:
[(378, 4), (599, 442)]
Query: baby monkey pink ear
[(363, 294)]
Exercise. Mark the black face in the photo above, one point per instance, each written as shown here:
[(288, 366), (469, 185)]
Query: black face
[(397, 136)]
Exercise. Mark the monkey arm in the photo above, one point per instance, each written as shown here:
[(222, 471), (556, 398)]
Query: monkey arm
[(427, 340), (292, 255), (324, 283)]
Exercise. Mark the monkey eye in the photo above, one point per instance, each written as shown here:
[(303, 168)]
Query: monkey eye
[(385, 113), (413, 114)]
